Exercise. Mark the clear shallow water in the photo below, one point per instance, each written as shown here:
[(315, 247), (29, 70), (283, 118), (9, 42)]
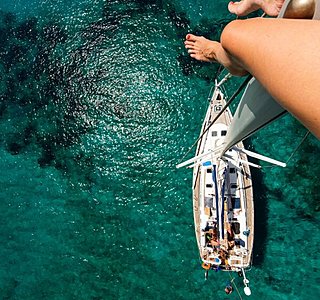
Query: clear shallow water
[(99, 101)]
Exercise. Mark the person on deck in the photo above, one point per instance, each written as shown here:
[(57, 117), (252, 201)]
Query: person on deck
[(212, 237), (276, 51), (230, 236)]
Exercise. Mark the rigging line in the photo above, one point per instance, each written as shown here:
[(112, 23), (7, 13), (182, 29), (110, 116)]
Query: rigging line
[(219, 71), (245, 82), (303, 139), (294, 151), (232, 281)]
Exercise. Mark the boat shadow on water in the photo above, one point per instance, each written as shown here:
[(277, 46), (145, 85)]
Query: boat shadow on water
[(261, 213)]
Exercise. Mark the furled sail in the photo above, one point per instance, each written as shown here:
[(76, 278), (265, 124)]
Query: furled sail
[(255, 110)]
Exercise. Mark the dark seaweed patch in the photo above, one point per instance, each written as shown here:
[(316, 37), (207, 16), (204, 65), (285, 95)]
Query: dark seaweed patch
[(36, 88), (53, 34), (27, 30)]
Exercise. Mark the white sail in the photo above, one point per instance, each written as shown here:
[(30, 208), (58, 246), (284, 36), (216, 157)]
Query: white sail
[(255, 110)]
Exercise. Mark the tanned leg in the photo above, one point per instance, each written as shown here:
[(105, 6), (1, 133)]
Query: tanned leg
[(283, 54)]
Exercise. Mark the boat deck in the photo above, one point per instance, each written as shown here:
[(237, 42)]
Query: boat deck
[(233, 250)]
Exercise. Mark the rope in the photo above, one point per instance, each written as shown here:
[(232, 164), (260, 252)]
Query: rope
[(232, 281), (245, 82), (294, 151), (303, 139)]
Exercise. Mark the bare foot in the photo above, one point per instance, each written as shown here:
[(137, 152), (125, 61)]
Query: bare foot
[(201, 48), (206, 50), (244, 7)]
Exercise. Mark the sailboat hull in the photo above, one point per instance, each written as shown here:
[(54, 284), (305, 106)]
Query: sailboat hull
[(222, 196)]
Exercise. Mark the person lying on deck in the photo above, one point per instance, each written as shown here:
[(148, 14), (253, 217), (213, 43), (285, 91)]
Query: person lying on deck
[(214, 242), (230, 236), (212, 237)]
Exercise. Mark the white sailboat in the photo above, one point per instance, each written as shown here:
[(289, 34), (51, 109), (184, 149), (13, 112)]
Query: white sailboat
[(222, 187), (222, 195)]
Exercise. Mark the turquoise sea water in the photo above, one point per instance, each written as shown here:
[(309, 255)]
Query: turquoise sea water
[(98, 103)]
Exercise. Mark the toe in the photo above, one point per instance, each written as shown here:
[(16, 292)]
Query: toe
[(188, 43), (232, 7), (191, 37)]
